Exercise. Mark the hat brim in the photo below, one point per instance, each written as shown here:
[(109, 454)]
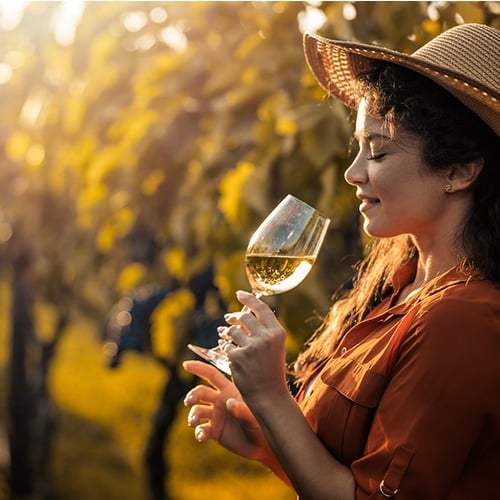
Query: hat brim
[(336, 65)]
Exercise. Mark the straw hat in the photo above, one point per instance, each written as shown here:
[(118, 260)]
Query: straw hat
[(465, 60)]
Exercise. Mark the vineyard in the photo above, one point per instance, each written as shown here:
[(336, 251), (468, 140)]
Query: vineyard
[(142, 143)]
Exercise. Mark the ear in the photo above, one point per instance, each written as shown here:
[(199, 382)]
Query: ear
[(462, 175)]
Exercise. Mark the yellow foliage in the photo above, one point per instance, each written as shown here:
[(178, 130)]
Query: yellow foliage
[(86, 220), (35, 156), (268, 108), (176, 264), (134, 126), (131, 276), (45, 317), (286, 126), (121, 401), (168, 322), (151, 183), (78, 153), (433, 28), (92, 195), (74, 111), (231, 188), (117, 227), (57, 180), (107, 75), (106, 237), (308, 81), (470, 12), (249, 75), (195, 170), (123, 220), (162, 65), (88, 199), (17, 145), (230, 277), (103, 45), (208, 147), (105, 161), (248, 44)]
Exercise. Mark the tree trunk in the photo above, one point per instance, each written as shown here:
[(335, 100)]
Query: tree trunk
[(20, 398)]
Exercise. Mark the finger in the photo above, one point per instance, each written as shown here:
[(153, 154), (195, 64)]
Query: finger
[(206, 372), (199, 413), (241, 318), (260, 309), (238, 409), (222, 332), (238, 319), (227, 347), (200, 394), (203, 432), (239, 337)]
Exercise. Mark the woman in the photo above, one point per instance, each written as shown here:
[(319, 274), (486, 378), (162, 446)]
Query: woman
[(400, 387)]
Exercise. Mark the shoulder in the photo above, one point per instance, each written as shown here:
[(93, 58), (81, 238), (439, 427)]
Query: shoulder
[(462, 305), (458, 323), (452, 348)]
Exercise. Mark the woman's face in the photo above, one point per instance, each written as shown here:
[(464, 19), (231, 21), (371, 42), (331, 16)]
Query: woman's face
[(399, 194)]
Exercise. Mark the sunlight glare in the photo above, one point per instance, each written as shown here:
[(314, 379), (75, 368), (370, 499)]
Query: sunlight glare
[(311, 19), (31, 110), (65, 21), (174, 38), (349, 11), (5, 73), (134, 21), (11, 13), (158, 15)]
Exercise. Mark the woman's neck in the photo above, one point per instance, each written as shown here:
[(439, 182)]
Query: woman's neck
[(428, 268)]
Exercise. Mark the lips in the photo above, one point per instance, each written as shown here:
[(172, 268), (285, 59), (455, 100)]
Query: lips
[(367, 202)]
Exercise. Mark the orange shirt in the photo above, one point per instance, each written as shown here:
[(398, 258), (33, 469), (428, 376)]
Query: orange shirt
[(426, 424)]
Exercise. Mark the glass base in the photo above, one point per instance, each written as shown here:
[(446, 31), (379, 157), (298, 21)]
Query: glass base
[(215, 355)]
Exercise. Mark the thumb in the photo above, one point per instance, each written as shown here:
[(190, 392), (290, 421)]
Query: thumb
[(238, 409)]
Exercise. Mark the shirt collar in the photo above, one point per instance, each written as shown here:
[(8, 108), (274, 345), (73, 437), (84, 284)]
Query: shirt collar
[(406, 274)]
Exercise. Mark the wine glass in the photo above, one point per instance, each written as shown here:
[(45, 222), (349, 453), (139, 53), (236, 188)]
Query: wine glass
[(279, 256)]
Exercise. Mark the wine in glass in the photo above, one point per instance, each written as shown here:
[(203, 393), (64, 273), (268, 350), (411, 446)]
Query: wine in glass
[(279, 256)]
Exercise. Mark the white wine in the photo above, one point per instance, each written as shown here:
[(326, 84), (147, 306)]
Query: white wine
[(270, 274)]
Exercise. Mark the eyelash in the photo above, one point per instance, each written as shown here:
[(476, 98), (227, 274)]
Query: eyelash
[(376, 157)]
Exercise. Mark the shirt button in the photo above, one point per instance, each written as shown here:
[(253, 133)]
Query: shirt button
[(343, 350)]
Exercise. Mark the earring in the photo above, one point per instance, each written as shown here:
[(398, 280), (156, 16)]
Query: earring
[(448, 188)]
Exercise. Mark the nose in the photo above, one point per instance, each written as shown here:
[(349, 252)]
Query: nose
[(356, 173)]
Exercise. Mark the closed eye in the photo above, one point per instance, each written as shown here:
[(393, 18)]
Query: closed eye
[(376, 157)]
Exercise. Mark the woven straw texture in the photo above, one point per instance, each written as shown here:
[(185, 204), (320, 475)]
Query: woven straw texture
[(464, 60)]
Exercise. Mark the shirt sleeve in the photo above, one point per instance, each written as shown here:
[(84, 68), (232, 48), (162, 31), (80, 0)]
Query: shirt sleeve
[(438, 406)]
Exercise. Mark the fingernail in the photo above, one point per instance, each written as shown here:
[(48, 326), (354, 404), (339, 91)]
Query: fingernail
[(227, 316), (199, 434)]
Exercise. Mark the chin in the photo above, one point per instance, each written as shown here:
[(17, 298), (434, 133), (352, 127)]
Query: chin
[(378, 232)]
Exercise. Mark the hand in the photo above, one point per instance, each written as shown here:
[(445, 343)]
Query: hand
[(219, 413), (257, 353)]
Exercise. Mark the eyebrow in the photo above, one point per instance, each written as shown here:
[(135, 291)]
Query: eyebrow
[(370, 136)]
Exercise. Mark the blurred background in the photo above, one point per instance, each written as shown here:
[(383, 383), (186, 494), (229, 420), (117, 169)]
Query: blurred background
[(141, 145)]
